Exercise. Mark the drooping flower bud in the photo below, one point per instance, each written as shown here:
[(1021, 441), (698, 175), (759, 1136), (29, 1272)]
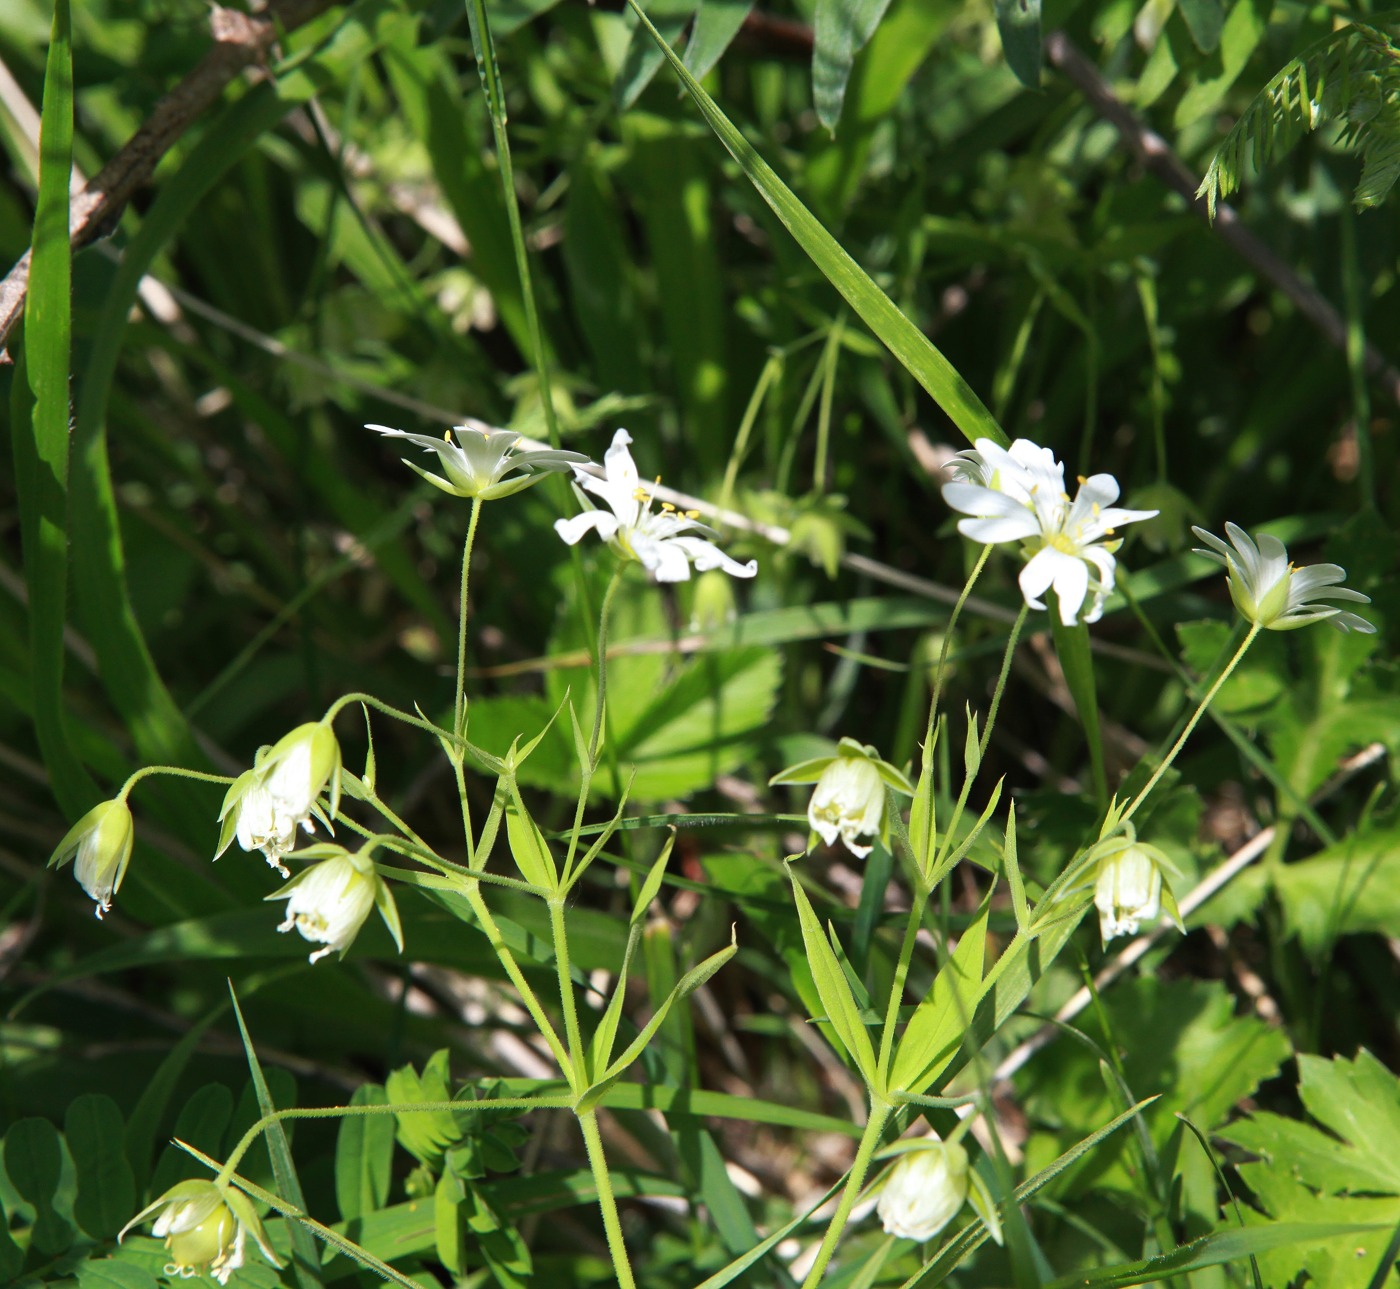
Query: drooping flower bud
[(1128, 890), (99, 845), (330, 901), (925, 1189), (265, 805), (849, 799), (205, 1227)]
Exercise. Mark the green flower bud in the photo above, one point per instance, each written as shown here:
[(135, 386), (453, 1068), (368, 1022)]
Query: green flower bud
[(99, 845)]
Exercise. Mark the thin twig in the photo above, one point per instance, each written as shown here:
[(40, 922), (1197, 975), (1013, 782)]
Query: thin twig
[(1155, 153), (239, 41)]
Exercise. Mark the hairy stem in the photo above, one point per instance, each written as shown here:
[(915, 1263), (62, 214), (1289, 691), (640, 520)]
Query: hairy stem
[(855, 1179)]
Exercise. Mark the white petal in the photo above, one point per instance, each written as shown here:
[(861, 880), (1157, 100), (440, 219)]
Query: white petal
[(1008, 528), (573, 528)]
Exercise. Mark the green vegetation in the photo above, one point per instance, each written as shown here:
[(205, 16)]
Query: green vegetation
[(862, 778)]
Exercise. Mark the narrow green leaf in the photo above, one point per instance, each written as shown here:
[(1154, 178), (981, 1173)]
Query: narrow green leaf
[(527, 844), (687, 985), (903, 339), (1011, 865), (716, 24), (840, 30), (1212, 1251), (40, 435), (1018, 21), (1077, 662), (106, 1199), (305, 1256), (833, 988)]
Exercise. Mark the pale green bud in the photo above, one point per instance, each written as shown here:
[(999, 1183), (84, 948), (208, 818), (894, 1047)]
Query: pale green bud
[(99, 845)]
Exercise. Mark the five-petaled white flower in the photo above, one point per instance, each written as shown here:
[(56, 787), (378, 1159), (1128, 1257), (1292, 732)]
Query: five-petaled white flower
[(99, 845), (329, 901), (1270, 591), (1018, 495), (663, 542), (849, 799), (477, 464), (205, 1227), (266, 804)]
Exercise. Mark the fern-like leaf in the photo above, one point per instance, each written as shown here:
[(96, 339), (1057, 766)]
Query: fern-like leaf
[(1351, 75)]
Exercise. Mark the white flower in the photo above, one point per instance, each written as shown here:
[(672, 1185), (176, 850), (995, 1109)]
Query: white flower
[(661, 541), (848, 802), (329, 902), (205, 1228), (1269, 590), (924, 1190), (266, 804), (849, 799), (478, 463), (1018, 495), (99, 845), (1128, 891)]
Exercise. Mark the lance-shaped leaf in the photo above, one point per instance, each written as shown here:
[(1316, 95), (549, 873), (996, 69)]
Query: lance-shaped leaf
[(832, 986), (600, 1052), (527, 844), (936, 1028), (688, 984)]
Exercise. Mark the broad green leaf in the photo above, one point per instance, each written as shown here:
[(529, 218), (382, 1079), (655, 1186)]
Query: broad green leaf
[(1242, 30), (935, 1030), (425, 1134), (109, 1273), (840, 30), (201, 1122), (33, 1154), (1018, 21), (833, 988), (95, 1130), (1358, 1101), (1204, 19), (904, 340)]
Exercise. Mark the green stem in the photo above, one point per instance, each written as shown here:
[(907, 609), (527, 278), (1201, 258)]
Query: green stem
[(1001, 681), (579, 1076), (1200, 711), (379, 705), (919, 895), (176, 771), (953, 617), (855, 1179), (350, 1111), (603, 664), (485, 51), (607, 1202), (471, 888), (459, 703)]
